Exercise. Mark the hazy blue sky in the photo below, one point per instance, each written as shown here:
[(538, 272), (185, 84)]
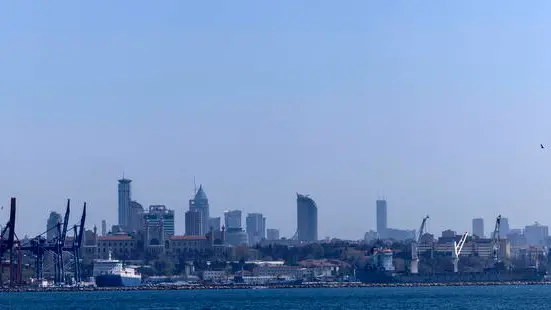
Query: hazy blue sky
[(440, 107)]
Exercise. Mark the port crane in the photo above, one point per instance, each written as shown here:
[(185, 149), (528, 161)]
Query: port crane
[(496, 241), (457, 247), (414, 268), (8, 244), (39, 246)]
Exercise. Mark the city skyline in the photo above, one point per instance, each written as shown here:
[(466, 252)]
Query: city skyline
[(346, 103)]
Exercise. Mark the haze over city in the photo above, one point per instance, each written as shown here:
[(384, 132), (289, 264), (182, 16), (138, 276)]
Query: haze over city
[(440, 109)]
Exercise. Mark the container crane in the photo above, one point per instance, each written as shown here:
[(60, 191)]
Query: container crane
[(77, 243), (414, 268), (457, 247)]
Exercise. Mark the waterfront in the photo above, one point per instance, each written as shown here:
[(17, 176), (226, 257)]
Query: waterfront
[(473, 297), (316, 285)]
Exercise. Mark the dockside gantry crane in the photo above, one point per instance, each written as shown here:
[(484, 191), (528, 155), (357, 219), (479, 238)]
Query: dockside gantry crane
[(7, 244), (39, 246), (457, 247), (414, 268)]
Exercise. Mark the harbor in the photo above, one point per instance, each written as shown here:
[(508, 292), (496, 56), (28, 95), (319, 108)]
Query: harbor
[(334, 285)]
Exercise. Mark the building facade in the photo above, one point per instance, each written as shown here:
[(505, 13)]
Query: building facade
[(193, 225), (307, 218), (159, 224), (478, 227), (215, 223), (232, 219), (200, 203), (51, 225), (124, 202), (256, 227), (136, 220), (381, 209), (272, 234)]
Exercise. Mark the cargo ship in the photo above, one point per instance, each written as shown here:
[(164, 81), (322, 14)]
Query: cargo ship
[(111, 273)]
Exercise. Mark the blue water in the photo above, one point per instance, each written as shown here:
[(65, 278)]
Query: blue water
[(495, 297)]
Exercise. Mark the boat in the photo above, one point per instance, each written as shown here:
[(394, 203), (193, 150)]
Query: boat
[(111, 273)]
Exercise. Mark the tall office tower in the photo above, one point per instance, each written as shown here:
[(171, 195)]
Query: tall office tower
[(124, 203), (103, 228), (232, 219), (200, 203), (272, 234), (307, 218), (536, 234), (136, 221), (504, 227), (193, 223), (215, 223), (256, 227), (478, 227), (161, 217), (51, 225), (382, 227)]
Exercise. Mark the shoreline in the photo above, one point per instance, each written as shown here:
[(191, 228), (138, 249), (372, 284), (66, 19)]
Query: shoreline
[(252, 287)]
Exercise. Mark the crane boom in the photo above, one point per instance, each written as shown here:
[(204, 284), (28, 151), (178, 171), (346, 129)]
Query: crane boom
[(459, 246), (422, 229)]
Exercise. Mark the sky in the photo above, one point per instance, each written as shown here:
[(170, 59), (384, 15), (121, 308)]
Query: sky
[(440, 107)]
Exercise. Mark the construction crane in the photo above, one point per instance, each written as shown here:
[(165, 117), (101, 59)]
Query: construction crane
[(414, 268), (457, 247), (495, 240)]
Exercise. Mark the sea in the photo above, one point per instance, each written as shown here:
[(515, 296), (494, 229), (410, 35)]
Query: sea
[(468, 297)]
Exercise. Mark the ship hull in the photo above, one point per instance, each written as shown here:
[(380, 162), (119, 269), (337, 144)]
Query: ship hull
[(117, 281)]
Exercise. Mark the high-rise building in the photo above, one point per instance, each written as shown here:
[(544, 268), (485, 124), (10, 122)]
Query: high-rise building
[(124, 202), (161, 219), (272, 234), (382, 227), (536, 234), (51, 225), (256, 227), (215, 223), (307, 218), (478, 227), (200, 203), (504, 227), (232, 219), (103, 228), (194, 222), (136, 222)]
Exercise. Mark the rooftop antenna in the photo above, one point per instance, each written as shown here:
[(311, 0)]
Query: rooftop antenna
[(194, 186)]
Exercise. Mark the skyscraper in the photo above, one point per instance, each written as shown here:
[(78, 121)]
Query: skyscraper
[(51, 225), (103, 228), (232, 219), (382, 227), (504, 227), (124, 202), (214, 223), (193, 223), (478, 227), (161, 219), (307, 218), (200, 203), (272, 234), (136, 219), (256, 227)]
